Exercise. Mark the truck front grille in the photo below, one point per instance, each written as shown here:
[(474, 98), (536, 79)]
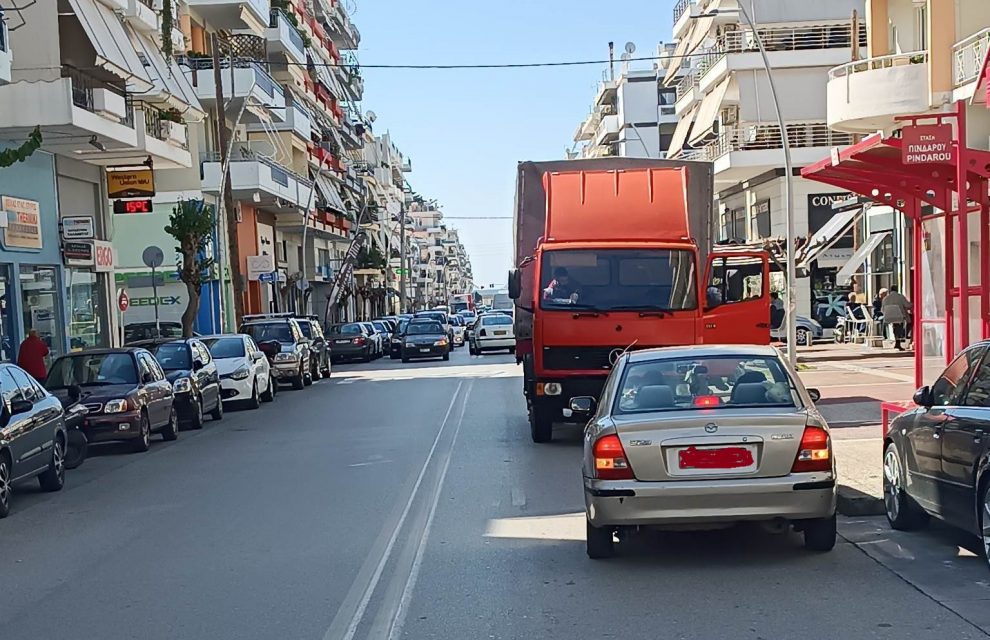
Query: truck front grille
[(587, 358)]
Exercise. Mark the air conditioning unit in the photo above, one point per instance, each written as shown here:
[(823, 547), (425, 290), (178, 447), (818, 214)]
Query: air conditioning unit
[(109, 104)]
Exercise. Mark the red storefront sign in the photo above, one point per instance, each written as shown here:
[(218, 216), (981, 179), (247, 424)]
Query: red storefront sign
[(927, 143)]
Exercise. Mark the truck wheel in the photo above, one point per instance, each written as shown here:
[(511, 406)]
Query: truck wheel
[(540, 424)]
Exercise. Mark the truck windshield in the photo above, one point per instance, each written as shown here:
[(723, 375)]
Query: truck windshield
[(618, 279)]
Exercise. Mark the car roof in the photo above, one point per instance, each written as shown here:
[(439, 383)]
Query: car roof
[(703, 351), (153, 342), (222, 335), (105, 351)]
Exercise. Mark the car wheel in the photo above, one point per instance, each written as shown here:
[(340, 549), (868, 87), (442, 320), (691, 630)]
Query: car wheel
[(819, 535), (326, 368), (171, 430), (803, 337), (217, 413), (314, 372), (75, 449), (254, 402), (4, 485), (53, 479), (269, 393), (366, 357), (540, 424), (143, 442), (902, 512), (599, 540), (299, 381), (393, 355), (405, 359), (984, 518), (446, 356), (197, 418)]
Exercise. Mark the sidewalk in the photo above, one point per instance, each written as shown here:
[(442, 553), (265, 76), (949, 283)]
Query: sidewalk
[(853, 381)]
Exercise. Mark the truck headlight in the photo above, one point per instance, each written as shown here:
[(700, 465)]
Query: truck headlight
[(285, 357), (115, 406), (552, 388), (241, 373), (182, 385)]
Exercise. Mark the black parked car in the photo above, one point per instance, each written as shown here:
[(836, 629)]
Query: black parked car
[(395, 343), (32, 434), (137, 331), (936, 455), (189, 366), (350, 341), (425, 340), (124, 391), (319, 349)]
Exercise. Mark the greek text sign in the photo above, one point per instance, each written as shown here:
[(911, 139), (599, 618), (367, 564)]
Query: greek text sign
[(927, 143), (23, 229)]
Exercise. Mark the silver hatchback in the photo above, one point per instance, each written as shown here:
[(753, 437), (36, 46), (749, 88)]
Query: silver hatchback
[(703, 436)]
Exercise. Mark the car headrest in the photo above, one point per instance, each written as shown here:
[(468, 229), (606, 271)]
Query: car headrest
[(655, 396), (749, 393), (751, 377)]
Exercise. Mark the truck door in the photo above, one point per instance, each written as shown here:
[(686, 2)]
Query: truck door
[(737, 299)]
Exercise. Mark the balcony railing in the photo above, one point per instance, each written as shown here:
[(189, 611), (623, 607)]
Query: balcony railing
[(158, 126), (294, 36), (263, 79), (968, 57), (881, 62), (280, 174), (836, 36), (680, 8), (84, 88), (767, 137), (687, 83)]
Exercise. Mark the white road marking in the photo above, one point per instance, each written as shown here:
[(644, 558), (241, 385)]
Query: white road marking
[(518, 497), (369, 590), (346, 380), (369, 463)]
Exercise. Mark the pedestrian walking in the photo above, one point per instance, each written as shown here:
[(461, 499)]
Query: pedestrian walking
[(31, 356), (896, 313)]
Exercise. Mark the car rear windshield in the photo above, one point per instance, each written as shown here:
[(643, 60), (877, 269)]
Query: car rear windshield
[(439, 316), (423, 328), (306, 329), (381, 326), (712, 382), (173, 356), (347, 329), (92, 369), (269, 331), (496, 319), (225, 347)]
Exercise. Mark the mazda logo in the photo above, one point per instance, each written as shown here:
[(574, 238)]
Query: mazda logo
[(614, 355), (711, 427)]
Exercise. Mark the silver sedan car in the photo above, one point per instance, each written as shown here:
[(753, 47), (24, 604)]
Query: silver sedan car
[(706, 436)]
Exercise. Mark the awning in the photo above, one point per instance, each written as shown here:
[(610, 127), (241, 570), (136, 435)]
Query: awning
[(170, 83), (681, 132), (113, 49), (708, 111), (855, 262), (829, 234), (330, 194), (678, 58)]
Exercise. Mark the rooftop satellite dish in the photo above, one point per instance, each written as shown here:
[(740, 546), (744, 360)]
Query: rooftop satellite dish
[(371, 116), (630, 48)]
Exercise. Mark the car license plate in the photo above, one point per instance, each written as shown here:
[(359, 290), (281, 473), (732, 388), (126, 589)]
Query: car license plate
[(500, 333), (716, 458), (341, 341), (424, 350)]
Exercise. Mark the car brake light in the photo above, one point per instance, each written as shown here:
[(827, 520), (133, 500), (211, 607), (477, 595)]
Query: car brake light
[(481, 333), (358, 341), (707, 401), (610, 459), (815, 451)]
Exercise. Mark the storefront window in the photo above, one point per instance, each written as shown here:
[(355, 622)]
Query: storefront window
[(7, 345), (40, 306), (82, 291)]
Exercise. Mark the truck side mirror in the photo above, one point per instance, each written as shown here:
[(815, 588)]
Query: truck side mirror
[(515, 283)]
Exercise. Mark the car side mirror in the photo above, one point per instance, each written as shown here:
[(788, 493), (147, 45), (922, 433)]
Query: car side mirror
[(20, 406), (923, 397), (515, 283), (582, 404), (815, 394), (257, 356)]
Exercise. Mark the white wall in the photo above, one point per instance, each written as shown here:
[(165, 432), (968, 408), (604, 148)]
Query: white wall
[(903, 26), (637, 102), (802, 94), (769, 11), (971, 16)]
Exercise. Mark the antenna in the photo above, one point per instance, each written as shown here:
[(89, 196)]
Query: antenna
[(371, 116), (611, 61), (630, 48)]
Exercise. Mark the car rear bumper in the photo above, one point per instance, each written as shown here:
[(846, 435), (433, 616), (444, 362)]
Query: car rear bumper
[(495, 343), (348, 351), (801, 496)]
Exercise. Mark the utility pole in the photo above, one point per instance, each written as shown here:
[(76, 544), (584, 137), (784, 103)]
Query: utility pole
[(223, 138), (402, 260)]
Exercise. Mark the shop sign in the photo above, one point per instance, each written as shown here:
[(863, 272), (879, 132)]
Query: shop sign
[(258, 265), (927, 143), (123, 301), (103, 256), (78, 253), (136, 183), (23, 217), (78, 227)]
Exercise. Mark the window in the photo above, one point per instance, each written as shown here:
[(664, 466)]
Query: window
[(202, 352), (28, 389), (496, 320), (94, 369), (227, 347), (8, 387), (734, 279), (40, 306), (173, 356), (979, 391), (948, 389), (82, 288), (734, 224), (348, 329), (145, 366), (761, 219)]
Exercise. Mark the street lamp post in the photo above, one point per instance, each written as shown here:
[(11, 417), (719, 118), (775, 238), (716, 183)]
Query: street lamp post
[(790, 318)]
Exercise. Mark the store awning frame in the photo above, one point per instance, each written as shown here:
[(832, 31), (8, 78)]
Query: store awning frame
[(823, 239), (677, 59), (114, 52), (681, 132), (330, 194), (707, 115), (865, 250), (171, 84)]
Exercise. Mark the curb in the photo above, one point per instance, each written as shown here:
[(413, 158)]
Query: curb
[(853, 502)]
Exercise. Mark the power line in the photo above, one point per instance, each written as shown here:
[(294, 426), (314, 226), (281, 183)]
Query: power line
[(499, 65)]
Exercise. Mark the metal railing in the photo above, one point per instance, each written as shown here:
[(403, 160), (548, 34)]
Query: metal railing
[(264, 81), (767, 137), (687, 83), (279, 173), (810, 38), (83, 86), (968, 56), (880, 62), (680, 7)]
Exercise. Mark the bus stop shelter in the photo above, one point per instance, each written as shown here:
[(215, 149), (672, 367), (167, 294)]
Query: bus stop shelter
[(927, 173)]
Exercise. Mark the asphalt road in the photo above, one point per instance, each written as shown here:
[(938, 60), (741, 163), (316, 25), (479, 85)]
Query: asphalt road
[(406, 501)]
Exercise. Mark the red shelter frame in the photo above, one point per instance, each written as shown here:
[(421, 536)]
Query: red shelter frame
[(946, 204)]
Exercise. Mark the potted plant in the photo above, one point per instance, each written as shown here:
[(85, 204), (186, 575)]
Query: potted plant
[(174, 126)]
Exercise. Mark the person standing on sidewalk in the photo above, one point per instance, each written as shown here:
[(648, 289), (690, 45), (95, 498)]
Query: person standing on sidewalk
[(31, 356), (896, 313)]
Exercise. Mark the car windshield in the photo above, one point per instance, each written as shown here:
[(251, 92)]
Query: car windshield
[(459, 306), (423, 328), (268, 332), (402, 325), (618, 279), (92, 369), (713, 383), (347, 329), (221, 348), (496, 319), (173, 356), (439, 316), (380, 326)]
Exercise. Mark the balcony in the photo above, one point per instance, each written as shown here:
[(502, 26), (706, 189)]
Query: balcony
[(249, 81), (341, 30), (258, 179), (608, 130), (141, 15), (867, 95), (234, 14), (687, 93), (787, 47), (684, 11), (967, 61), (5, 53), (297, 119), (162, 135), (285, 38), (745, 152)]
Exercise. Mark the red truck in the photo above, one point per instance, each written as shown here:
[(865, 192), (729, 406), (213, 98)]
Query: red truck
[(608, 256)]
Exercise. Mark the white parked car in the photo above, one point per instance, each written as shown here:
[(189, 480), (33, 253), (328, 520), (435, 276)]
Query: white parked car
[(493, 331), (245, 373)]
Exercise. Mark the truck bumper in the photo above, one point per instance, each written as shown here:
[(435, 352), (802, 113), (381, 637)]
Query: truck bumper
[(558, 405)]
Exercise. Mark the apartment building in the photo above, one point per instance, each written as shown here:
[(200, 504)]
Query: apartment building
[(726, 116), (439, 264)]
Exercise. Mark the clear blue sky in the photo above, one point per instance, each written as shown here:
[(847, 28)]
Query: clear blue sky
[(465, 130)]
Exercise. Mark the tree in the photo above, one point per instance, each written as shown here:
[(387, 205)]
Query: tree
[(191, 224), (21, 153)]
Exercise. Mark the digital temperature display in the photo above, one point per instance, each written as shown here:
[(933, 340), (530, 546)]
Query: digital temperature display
[(132, 206)]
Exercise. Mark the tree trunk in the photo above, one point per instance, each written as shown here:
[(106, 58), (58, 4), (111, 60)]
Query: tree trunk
[(192, 309)]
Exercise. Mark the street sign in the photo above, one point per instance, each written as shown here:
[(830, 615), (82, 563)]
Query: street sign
[(302, 285), (271, 276), (927, 144), (77, 227), (136, 183), (153, 257), (260, 265), (123, 300), (78, 253)]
